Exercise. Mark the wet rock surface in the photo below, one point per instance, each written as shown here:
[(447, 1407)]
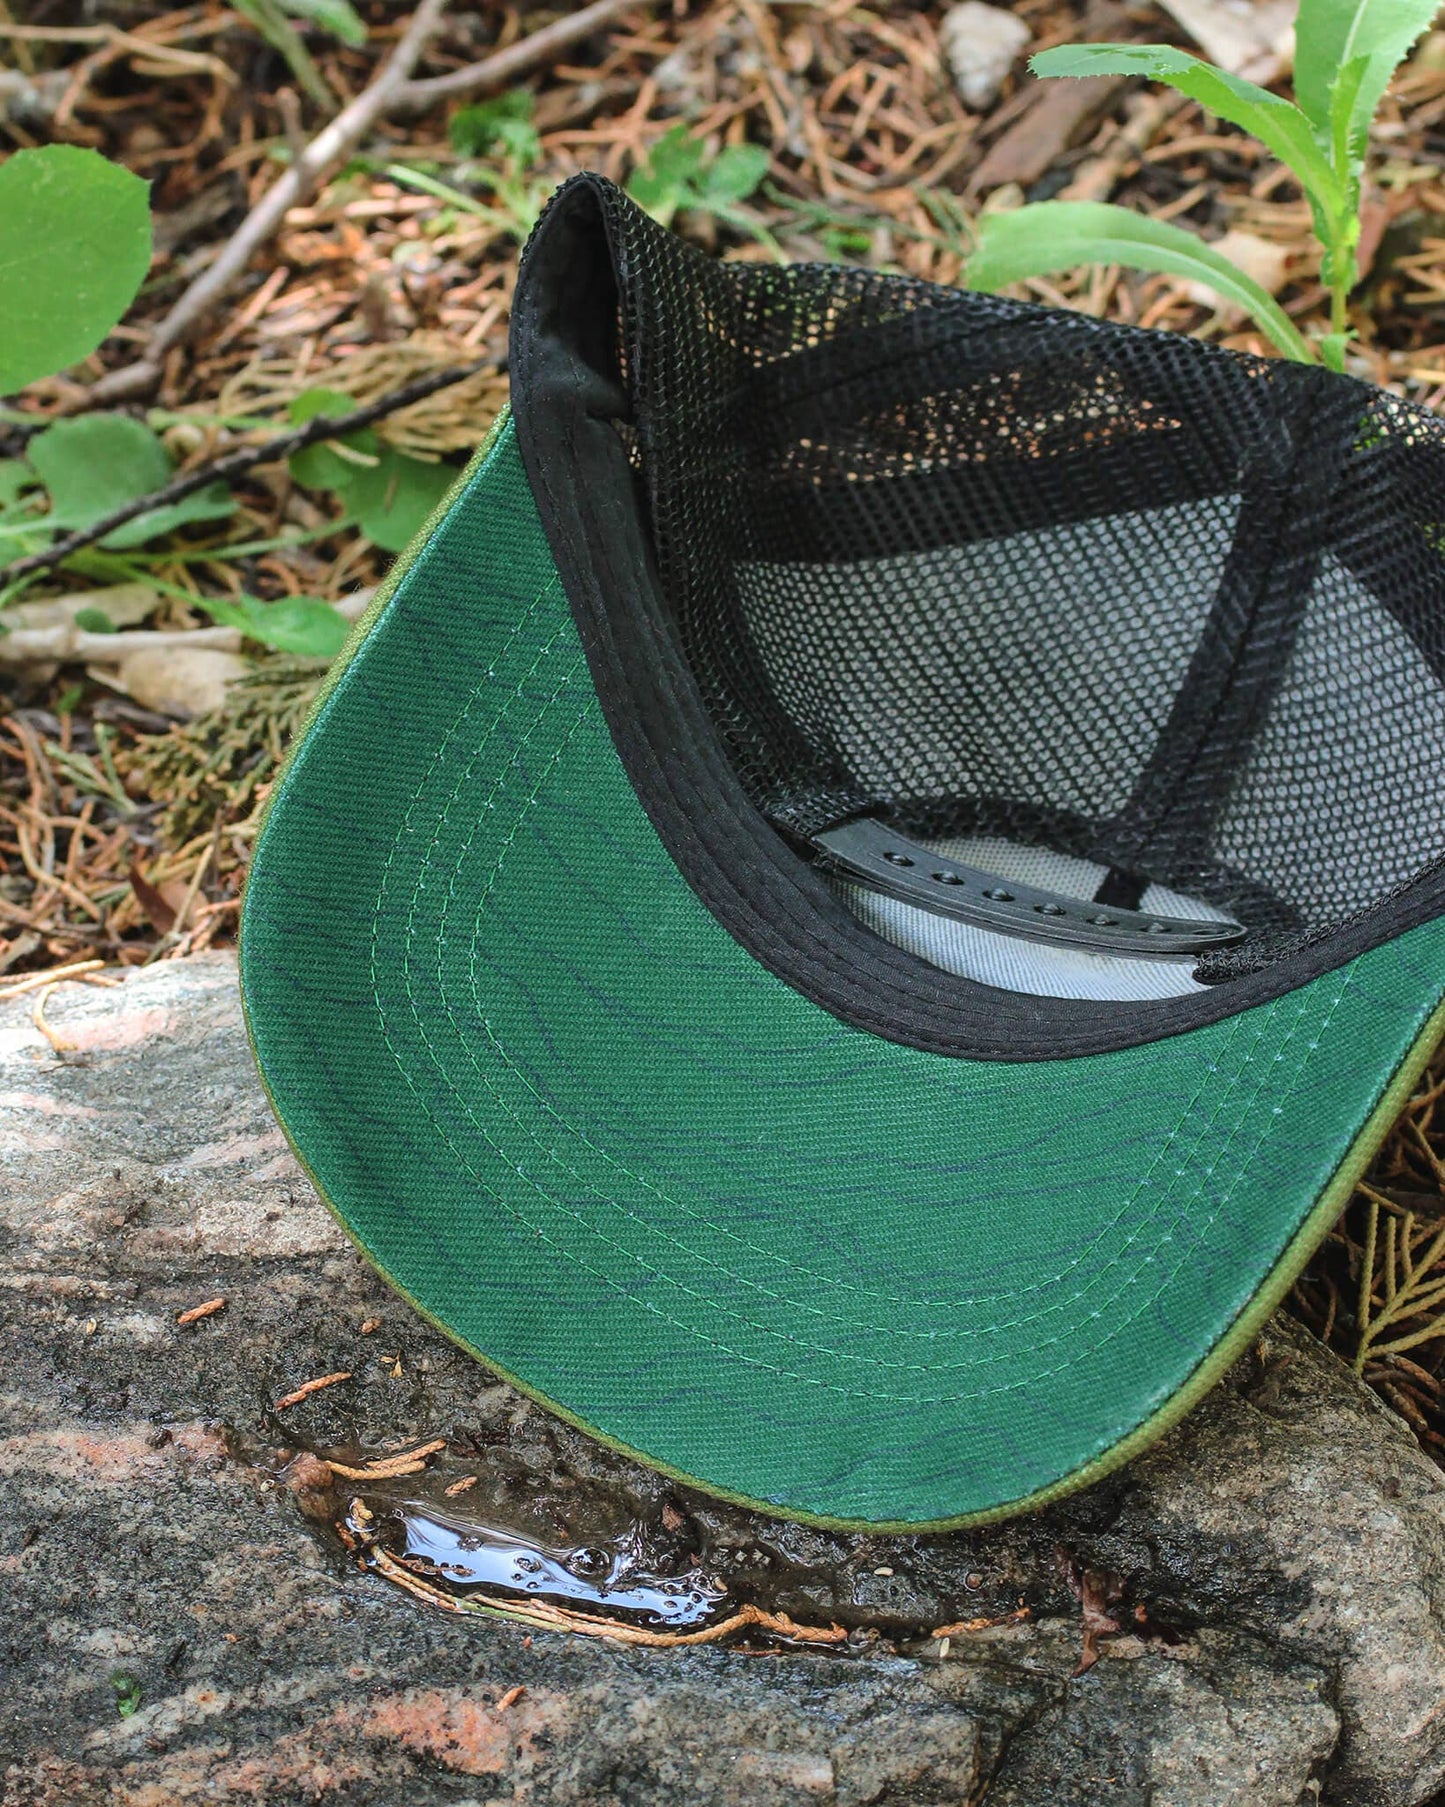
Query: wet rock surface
[(183, 1620)]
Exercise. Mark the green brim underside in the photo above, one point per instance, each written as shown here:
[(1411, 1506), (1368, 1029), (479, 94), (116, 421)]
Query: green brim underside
[(597, 1144)]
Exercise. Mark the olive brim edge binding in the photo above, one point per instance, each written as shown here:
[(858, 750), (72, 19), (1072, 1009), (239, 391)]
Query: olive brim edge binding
[(1210, 1370)]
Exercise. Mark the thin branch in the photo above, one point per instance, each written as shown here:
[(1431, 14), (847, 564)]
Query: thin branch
[(236, 463), (65, 643), (336, 141), (503, 66), (393, 91)]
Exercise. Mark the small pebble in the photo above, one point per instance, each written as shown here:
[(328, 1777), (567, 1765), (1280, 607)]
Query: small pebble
[(981, 44)]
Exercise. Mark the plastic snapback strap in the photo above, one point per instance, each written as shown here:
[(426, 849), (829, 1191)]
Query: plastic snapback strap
[(877, 856)]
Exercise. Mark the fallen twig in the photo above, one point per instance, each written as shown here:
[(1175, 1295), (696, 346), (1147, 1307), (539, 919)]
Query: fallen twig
[(505, 65), (411, 1461), (393, 91), (235, 464), (197, 1312), (963, 1627), (309, 1387), (77, 969), (64, 641), (1098, 177)]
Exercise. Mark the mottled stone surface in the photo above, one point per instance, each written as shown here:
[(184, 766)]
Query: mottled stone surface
[(1276, 1567)]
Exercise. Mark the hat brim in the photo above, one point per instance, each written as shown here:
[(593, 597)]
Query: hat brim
[(598, 1144)]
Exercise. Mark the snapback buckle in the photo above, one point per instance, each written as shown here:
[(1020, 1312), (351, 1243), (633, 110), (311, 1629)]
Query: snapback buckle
[(878, 856)]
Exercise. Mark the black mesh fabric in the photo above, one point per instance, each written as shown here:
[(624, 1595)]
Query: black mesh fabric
[(982, 567)]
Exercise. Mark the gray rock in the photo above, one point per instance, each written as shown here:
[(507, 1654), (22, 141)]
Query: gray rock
[(1217, 1722), (1276, 1565), (981, 44)]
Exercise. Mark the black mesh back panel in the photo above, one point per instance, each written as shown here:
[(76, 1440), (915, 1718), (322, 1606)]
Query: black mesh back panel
[(983, 567)]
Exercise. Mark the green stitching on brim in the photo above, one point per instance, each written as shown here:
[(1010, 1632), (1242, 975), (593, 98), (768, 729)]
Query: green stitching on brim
[(598, 1146)]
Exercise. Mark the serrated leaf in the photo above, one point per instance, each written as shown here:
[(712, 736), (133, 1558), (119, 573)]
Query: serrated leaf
[(661, 186), (1351, 113), (305, 626), (393, 499), (733, 174), (474, 130), (95, 463), (75, 245), (1050, 236), (677, 156), (1277, 123), (1359, 43), (339, 17)]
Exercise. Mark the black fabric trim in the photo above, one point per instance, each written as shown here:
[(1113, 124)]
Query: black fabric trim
[(569, 399)]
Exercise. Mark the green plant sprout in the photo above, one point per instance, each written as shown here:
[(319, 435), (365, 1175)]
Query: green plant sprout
[(274, 20), (1347, 52), (681, 176), (498, 146)]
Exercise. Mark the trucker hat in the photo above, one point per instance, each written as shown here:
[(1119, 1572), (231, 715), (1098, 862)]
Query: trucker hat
[(856, 905)]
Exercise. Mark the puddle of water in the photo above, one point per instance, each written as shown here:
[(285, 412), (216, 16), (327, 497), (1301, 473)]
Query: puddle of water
[(466, 1554), (489, 1524)]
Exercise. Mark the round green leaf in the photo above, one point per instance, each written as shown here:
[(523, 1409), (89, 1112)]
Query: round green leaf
[(93, 464), (394, 499), (75, 244)]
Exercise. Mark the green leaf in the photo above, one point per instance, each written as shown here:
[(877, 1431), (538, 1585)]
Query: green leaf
[(321, 466), (339, 17), (95, 463), (504, 122), (1277, 123), (734, 174), (213, 503), (16, 476), (127, 1692), (1345, 53), (303, 625), (75, 244), (664, 182), (94, 621), (679, 173), (677, 156), (1333, 347), (1060, 235), (394, 498)]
